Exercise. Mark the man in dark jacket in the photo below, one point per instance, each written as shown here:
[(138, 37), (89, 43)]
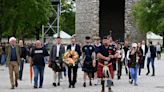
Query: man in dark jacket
[(75, 47), (150, 58)]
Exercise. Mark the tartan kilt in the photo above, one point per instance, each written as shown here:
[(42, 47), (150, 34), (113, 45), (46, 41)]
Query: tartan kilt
[(57, 67), (100, 71)]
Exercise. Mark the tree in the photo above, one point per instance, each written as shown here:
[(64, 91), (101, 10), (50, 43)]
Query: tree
[(149, 15), (67, 20), (21, 17)]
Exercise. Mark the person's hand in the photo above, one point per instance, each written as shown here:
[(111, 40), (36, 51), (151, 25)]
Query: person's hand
[(107, 58), (94, 63), (111, 56)]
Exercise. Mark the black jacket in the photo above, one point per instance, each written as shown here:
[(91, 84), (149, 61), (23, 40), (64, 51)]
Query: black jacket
[(77, 49), (153, 51), (146, 49)]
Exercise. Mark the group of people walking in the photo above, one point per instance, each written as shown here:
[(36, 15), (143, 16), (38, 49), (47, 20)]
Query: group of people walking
[(100, 60)]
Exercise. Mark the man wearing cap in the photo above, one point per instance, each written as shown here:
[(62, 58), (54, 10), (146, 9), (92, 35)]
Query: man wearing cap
[(132, 56), (13, 60)]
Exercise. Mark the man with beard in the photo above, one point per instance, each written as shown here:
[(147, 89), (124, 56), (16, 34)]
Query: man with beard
[(105, 65), (112, 51)]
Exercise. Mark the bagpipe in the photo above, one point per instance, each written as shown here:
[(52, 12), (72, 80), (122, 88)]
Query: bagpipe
[(70, 57)]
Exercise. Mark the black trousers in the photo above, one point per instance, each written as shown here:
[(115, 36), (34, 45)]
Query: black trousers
[(143, 62), (119, 71), (72, 69)]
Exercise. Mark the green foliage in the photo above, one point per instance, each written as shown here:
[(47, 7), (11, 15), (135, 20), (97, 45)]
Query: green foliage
[(149, 15), (22, 17), (67, 19)]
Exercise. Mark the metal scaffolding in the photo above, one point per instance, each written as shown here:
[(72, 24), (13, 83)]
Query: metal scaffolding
[(54, 22)]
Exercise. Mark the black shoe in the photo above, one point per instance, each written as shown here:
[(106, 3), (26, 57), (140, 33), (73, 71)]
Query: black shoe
[(73, 86), (147, 73), (84, 85), (54, 84), (16, 84), (35, 87), (119, 78), (58, 83), (69, 86), (153, 75), (40, 86), (90, 83)]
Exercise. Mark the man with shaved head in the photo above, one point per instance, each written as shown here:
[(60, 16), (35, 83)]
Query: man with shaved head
[(13, 60), (37, 61)]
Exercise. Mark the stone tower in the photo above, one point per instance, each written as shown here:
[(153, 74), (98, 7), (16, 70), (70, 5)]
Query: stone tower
[(87, 19)]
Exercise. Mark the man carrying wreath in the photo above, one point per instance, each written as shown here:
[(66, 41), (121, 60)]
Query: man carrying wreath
[(73, 68)]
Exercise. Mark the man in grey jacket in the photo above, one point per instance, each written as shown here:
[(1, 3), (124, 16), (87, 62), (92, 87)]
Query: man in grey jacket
[(56, 60)]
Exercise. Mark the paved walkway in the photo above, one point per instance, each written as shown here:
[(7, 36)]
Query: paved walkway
[(146, 83)]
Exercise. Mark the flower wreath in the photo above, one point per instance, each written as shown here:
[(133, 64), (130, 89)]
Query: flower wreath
[(70, 57)]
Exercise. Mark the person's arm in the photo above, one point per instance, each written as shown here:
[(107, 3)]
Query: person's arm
[(94, 59), (30, 58), (161, 48), (63, 50), (79, 50), (51, 54), (83, 56), (68, 47), (128, 54), (123, 54), (100, 56), (46, 52)]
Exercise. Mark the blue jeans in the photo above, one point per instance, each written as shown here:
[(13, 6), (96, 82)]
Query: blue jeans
[(38, 71), (21, 69), (133, 72), (150, 60), (3, 59)]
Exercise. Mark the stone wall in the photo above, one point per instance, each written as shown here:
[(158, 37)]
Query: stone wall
[(87, 19), (134, 33)]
